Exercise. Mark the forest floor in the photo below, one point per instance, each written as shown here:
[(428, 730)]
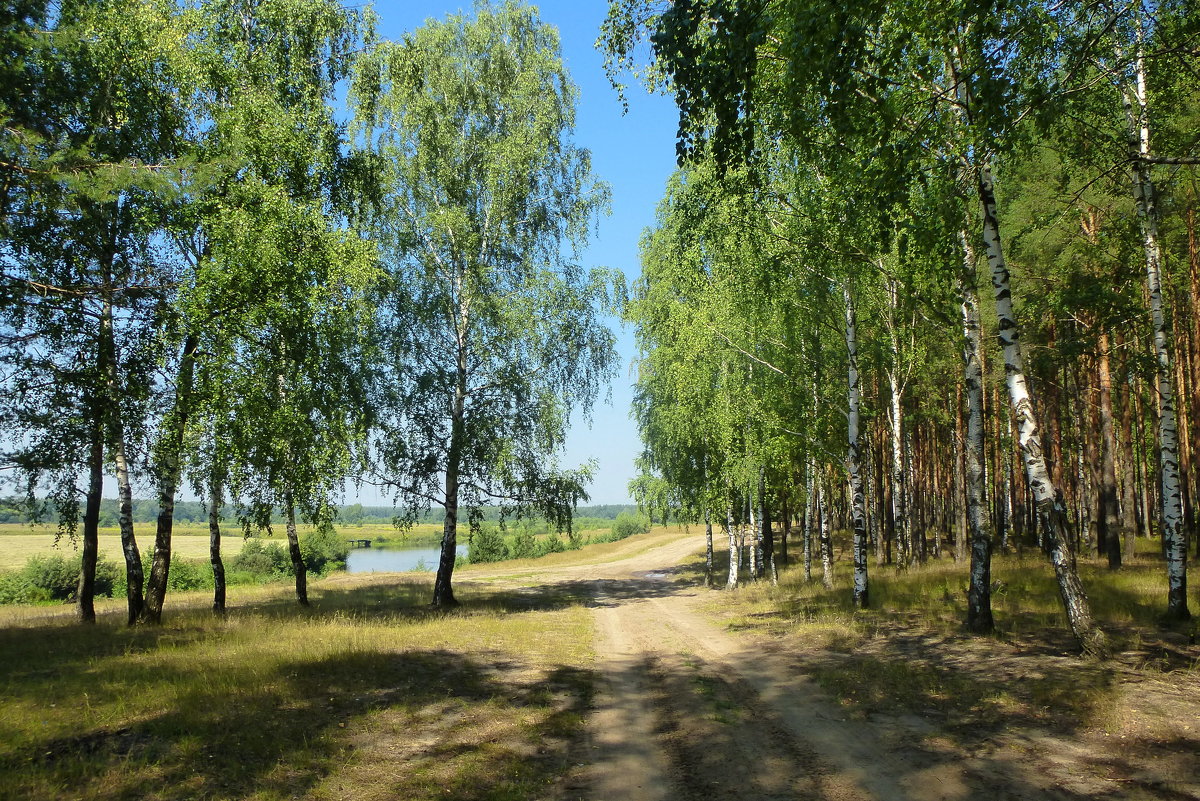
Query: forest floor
[(607, 674), (695, 703)]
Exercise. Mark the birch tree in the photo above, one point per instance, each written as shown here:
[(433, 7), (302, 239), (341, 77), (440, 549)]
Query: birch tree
[(493, 331)]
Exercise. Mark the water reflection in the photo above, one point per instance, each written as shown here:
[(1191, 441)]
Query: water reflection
[(395, 560)]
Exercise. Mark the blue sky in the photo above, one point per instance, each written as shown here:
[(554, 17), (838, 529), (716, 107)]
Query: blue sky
[(635, 154)]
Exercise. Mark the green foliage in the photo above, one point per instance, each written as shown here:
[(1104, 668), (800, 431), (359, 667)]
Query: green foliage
[(626, 525), (323, 550), (53, 578), (487, 545), (261, 559), (486, 346), (524, 545)]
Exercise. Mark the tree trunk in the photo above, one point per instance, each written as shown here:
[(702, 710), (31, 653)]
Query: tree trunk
[(785, 531), (708, 549), (904, 551), (768, 536), (1171, 511), (134, 578), (85, 592), (826, 542), (858, 510), (1129, 516), (731, 580), (214, 545), (168, 469), (1110, 525), (961, 520), (810, 514), (298, 567), (979, 590), (754, 552), (1050, 513)]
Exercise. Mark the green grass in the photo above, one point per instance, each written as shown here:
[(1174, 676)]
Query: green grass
[(368, 694)]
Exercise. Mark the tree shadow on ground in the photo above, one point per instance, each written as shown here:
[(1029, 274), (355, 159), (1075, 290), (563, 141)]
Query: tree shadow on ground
[(283, 729)]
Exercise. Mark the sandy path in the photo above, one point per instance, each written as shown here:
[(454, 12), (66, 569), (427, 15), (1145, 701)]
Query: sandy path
[(687, 710)]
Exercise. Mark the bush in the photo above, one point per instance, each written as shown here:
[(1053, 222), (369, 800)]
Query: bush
[(189, 574), (524, 545), (54, 578), (323, 550), (626, 525), (552, 544), (487, 545), (266, 560)]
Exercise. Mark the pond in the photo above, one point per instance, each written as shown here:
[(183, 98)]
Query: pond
[(395, 560)]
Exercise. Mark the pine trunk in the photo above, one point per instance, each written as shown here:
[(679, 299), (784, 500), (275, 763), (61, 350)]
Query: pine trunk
[(1050, 513), (1129, 516), (1110, 525)]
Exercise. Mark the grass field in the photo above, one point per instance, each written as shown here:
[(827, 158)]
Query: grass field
[(367, 695)]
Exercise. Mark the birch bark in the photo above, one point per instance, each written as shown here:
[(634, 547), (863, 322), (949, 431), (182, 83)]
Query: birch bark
[(979, 589), (298, 567), (731, 581), (214, 545), (1137, 117), (1051, 515), (858, 511), (825, 542)]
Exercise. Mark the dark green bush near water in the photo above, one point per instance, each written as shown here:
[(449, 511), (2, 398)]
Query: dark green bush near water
[(322, 550), (488, 545)]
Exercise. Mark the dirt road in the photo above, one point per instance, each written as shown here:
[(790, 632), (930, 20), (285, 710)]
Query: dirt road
[(689, 711)]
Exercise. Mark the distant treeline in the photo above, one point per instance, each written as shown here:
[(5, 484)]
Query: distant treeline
[(16, 510)]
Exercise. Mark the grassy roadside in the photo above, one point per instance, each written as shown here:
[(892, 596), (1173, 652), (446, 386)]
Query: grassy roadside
[(908, 653), (366, 695)]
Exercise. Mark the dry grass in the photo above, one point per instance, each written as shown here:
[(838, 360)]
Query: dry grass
[(909, 652), (368, 694)]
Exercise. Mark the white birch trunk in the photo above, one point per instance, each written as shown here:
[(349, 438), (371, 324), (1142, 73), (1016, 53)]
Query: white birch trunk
[(810, 515), (1137, 116), (858, 509), (731, 582), (979, 590), (1050, 512), (826, 543)]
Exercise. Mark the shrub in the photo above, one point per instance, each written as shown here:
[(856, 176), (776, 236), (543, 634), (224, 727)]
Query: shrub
[(189, 574), (53, 578), (261, 559), (487, 545), (56, 575), (323, 550), (524, 545), (626, 525), (552, 544)]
